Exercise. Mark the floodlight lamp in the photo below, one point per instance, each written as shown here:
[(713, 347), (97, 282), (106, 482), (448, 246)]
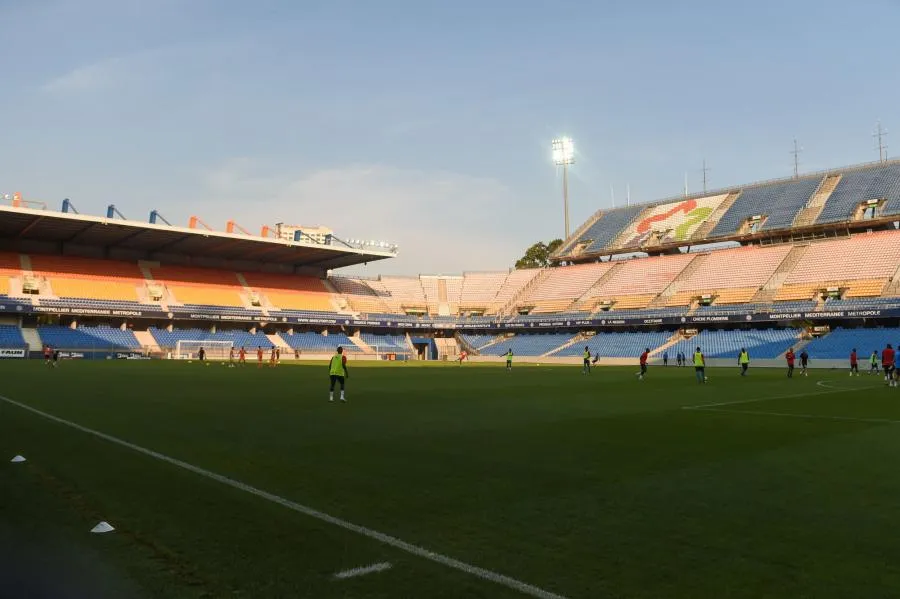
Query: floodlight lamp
[(563, 151)]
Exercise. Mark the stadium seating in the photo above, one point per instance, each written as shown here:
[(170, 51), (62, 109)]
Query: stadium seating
[(479, 289), (84, 338), (634, 283), (10, 266), (478, 341), (385, 343), (169, 339), (315, 343), (761, 344), (862, 303), (780, 201), (11, 337), (561, 286), (361, 294), (608, 226), (76, 277), (839, 342), (856, 186), (201, 286), (863, 264), (290, 291), (529, 345), (617, 345), (734, 275), (514, 284)]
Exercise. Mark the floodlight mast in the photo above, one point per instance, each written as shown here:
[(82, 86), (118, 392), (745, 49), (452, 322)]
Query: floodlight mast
[(564, 155)]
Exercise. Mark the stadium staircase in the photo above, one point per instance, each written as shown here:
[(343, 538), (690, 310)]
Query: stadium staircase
[(663, 298), (362, 345), (443, 301), (498, 339), (509, 307), (676, 338), (147, 341), (583, 303), (278, 342), (567, 245), (893, 288), (338, 301), (716, 216), (768, 291), (246, 292), (447, 348), (813, 208), (569, 343), (32, 339)]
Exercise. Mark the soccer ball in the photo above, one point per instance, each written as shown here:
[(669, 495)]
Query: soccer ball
[(706, 378)]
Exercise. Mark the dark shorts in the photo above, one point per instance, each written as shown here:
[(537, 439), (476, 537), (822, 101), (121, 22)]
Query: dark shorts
[(889, 370), (643, 369), (337, 379)]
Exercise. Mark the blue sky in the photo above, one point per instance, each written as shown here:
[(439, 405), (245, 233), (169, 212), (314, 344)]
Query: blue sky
[(428, 123)]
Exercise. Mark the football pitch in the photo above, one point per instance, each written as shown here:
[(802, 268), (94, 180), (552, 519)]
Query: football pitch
[(439, 481)]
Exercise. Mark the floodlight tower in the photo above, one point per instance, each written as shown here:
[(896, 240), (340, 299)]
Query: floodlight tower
[(564, 155)]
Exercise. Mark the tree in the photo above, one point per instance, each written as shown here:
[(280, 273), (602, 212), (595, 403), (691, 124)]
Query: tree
[(538, 255)]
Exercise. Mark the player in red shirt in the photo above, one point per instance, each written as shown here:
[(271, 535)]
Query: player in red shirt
[(272, 358), (48, 355), (854, 363), (259, 357), (462, 356), (643, 360), (242, 356), (231, 357), (789, 356), (887, 361)]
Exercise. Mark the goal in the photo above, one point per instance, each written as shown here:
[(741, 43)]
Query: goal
[(215, 350)]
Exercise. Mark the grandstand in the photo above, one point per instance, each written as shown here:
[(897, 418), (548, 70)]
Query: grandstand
[(823, 248)]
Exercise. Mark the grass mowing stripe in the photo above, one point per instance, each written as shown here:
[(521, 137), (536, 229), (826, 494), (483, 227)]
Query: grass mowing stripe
[(804, 416), (484, 574), (705, 406)]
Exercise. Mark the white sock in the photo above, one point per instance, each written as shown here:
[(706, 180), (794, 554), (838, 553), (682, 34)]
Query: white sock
[(342, 395), (331, 395)]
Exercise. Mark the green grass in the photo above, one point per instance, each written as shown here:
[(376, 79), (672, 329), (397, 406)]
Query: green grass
[(591, 487)]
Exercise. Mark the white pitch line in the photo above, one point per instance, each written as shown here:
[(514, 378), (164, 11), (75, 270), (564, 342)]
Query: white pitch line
[(773, 397), (482, 573), (362, 571)]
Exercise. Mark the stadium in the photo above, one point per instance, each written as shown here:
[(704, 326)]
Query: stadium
[(438, 478), (322, 301), (811, 262)]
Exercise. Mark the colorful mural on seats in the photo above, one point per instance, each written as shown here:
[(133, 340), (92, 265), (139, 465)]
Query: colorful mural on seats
[(675, 221)]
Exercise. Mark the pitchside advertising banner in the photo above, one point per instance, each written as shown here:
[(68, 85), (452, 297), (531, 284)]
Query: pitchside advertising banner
[(11, 353), (597, 321)]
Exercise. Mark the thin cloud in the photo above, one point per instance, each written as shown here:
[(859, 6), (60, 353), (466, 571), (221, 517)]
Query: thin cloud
[(443, 222)]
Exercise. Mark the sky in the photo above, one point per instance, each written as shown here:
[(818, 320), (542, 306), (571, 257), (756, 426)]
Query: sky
[(428, 124)]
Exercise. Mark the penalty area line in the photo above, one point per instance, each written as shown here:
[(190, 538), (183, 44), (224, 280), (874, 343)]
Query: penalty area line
[(482, 573)]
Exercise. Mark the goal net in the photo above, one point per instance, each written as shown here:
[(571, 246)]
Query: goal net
[(215, 350), (392, 352)]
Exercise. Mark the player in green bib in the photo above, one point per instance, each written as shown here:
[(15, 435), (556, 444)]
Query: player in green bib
[(509, 356), (338, 373), (744, 361)]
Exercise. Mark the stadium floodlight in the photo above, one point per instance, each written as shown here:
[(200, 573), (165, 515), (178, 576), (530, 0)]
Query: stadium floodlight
[(564, 155)]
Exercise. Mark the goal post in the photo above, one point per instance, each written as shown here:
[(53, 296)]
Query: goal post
[(215, 350), (391, 352)]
